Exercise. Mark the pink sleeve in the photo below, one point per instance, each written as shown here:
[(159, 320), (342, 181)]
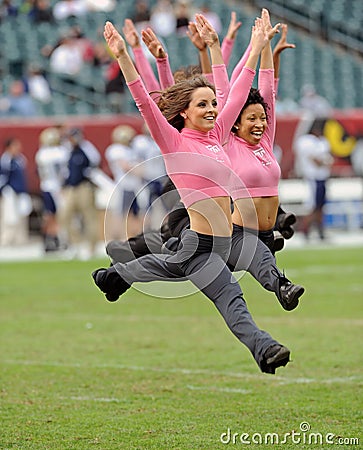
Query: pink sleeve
[(241, 64), (236, 99), (266, 85), (145, 70), (165, 135), (209, 77), (221, 83), (227, 47), (164, 71), (276, 85)]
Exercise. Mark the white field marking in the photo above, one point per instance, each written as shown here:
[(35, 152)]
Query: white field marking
[(219, 389), (322, 269), (339, 380), (87, 398), (87, 320), (181, 371)]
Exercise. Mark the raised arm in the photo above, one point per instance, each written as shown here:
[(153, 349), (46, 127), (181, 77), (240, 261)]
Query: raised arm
[(210, 37), (220, 76), (266, 54), (202, 48), (241, 87), (162, 62), (266, 78), (281, 45), (142, 63), (117, 45), (230, 37), (162, 132)]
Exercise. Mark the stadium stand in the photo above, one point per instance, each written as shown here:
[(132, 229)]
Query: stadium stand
[(315, 26)]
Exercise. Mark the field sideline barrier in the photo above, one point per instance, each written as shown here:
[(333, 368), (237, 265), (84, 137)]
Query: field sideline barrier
[(344, 208), (345, 196)]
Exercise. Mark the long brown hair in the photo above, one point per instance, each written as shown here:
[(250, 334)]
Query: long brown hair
[(176, 99)]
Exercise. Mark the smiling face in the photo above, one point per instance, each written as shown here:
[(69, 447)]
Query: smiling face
[(202, 110), (252, 124)]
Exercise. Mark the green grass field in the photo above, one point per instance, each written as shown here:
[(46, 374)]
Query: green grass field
[(80, 373)]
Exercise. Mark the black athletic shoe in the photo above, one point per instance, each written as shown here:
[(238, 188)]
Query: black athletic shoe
[(110, 282), (275, 356), (287, 232), (283, 224), (285, 220), (289, 295), (279, 242)]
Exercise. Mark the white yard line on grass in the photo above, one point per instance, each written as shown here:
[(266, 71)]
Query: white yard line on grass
[(87, 398), (183, 371)]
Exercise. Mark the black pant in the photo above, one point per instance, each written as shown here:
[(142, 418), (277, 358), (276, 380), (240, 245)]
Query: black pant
[(201, 259)]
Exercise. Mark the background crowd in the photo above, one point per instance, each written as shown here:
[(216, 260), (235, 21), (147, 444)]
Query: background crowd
[(65, 61)]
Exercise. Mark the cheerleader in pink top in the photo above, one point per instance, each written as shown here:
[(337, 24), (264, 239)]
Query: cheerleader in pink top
[(250, 148), (248, 253), (189, 134)]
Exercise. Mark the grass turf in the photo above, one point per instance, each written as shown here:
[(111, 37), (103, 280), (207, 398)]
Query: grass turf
[(80, 373)]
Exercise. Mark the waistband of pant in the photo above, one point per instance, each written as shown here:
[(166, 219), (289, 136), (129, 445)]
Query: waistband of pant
[(241, 229), (208, 243)]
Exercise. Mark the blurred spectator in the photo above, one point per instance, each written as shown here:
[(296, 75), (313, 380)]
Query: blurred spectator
[(67, 58), (37, 85), (141, 16), (41, 12), (154, 175), (162, 19), (357, 156), (124, 217), (15, 201), (183, 16), (313, 162), (314, 103), (77, 214), (286, 105), (115, 88), (100, 5), (101, 56), (26, 6), (51, 161), (7, 9), (78, 39), (69, 8), (85, 44), (17, 102)]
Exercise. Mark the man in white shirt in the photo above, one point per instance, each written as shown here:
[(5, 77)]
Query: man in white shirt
[(313, 162), (124, 216), (51, 161)]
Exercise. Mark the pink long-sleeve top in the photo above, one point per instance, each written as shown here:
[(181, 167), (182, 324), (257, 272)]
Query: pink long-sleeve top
[(256, 165), (164, 71), (196, 161), (146, 72), (166, 76), (226, 48)]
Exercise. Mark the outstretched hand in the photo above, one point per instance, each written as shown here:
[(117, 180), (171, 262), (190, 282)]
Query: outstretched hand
[(233, 27), (114, 40), (152, 43), (195, 37), (270, 30), (282, 43), (259, 36), (206, 31), (130, 33)]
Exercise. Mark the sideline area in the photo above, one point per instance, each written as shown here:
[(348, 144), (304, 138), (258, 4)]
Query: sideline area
[(34, 250)]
